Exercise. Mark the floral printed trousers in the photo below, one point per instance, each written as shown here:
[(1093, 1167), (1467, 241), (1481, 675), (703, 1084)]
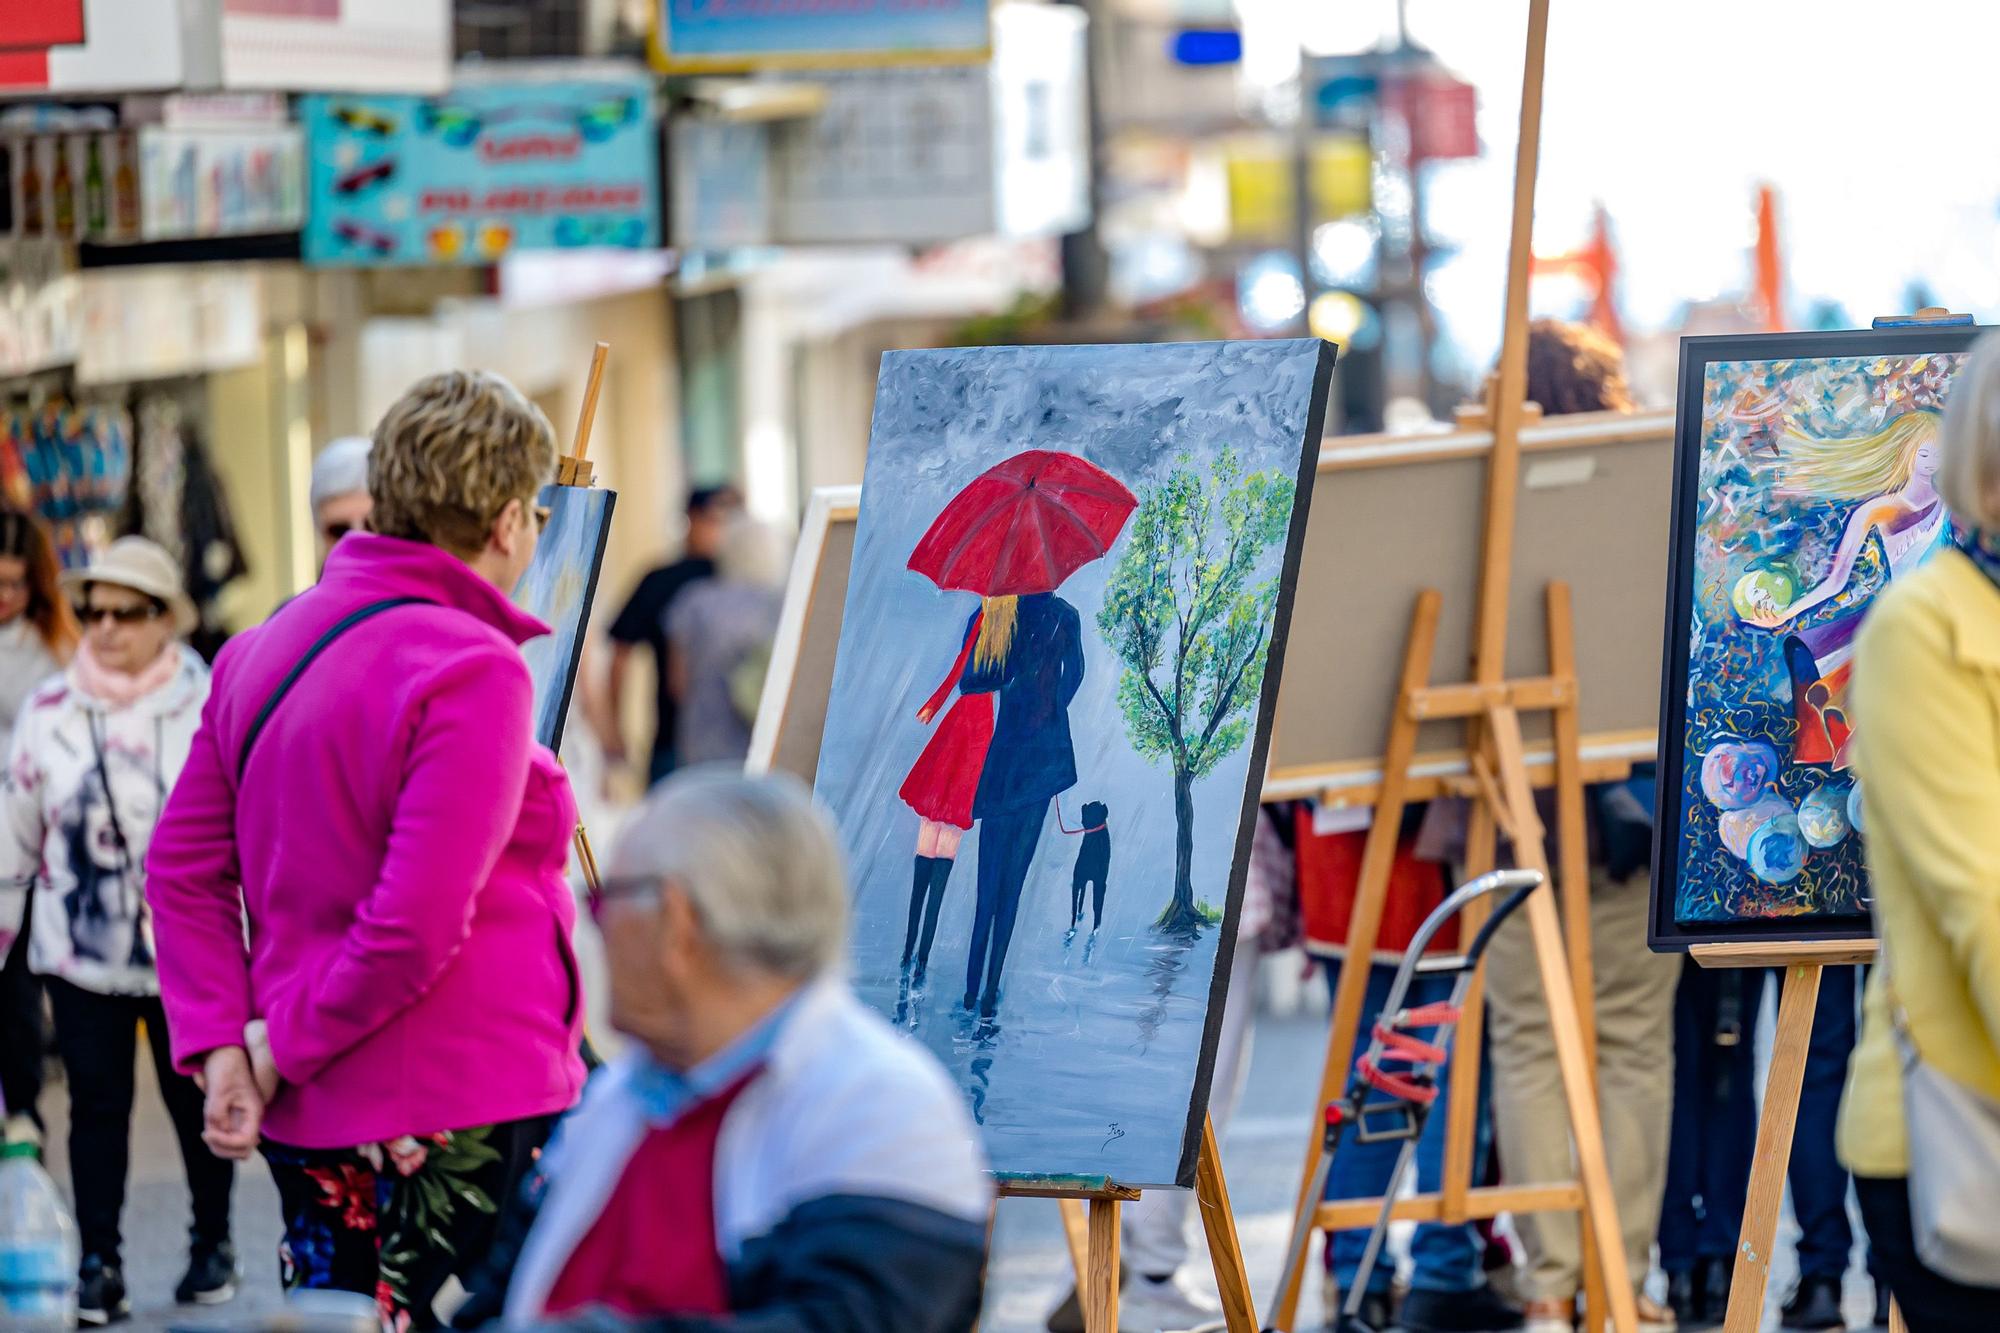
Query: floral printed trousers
[(396, 1220)]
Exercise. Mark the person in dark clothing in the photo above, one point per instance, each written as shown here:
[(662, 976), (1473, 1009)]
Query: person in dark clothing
[(1030, 761), (1714, 1133), (643, 620)]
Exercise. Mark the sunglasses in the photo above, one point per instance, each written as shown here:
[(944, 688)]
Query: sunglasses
[(122, 615), (335, 531), (542, 516), (605, 892)]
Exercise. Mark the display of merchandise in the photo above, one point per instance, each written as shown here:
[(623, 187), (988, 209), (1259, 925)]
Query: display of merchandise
[(177, 500), (38, 1246), (76, 461)]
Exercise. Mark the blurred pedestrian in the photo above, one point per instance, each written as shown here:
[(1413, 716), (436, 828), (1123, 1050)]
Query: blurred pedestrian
[(768, 1153), (37, 636), (1926, 746), (643, 620), (720, 631), (95, 752), (339, 496), (403, 1025), (1574, 368)]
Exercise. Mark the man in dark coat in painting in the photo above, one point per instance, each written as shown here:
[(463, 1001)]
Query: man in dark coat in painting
[(1030, 761)]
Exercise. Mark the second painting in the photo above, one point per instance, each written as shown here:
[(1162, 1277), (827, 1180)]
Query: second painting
[(1805, 486), (1050, 707)]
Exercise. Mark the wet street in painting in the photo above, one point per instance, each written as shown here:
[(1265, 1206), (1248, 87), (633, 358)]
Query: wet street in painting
[(1072, 1016)]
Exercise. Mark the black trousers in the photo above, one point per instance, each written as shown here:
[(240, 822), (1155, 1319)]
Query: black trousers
[(1931, 1302), (98, 1039), (24, 1037), (1006, 852)]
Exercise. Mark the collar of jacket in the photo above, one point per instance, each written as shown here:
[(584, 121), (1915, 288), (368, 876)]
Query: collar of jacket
[(169, 698), (1973, 608), (368, 567)]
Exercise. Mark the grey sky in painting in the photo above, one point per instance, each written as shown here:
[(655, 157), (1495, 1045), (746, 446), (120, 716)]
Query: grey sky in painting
[(1093, 1063)]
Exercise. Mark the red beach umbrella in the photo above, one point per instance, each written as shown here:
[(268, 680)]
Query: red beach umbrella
[(1024, 525)]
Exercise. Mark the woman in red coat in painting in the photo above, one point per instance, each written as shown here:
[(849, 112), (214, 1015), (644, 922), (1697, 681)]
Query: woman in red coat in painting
[(943, 781)]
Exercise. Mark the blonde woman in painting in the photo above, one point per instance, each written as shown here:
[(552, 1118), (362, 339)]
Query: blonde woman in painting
[(1889, 477), (941, 784)]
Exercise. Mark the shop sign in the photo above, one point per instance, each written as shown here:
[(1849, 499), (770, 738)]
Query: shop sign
[(1260, 174), (488, 169), (720, 36)]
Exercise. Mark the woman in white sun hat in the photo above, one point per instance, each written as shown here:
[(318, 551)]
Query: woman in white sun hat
[(95, 751)]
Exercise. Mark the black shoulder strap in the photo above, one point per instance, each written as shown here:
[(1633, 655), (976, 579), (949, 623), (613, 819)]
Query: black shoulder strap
[(340, 627)]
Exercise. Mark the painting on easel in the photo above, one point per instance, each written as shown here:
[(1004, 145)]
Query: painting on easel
[(558, 589), (1804, 486), (1050, 707)]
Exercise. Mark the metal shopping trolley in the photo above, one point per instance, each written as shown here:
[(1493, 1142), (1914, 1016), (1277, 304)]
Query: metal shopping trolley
[(1394, 1084)]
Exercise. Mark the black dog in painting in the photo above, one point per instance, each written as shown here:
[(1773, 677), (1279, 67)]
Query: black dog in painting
[(1093, 867)]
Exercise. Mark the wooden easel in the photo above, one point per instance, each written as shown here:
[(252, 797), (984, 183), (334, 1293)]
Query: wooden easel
[(574, 469), (1798, 999), (1503, 801), (1093, 1239)]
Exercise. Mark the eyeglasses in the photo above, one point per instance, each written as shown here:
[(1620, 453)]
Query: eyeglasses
[(619, 888), (123, 615), (542, 515), (335, 531)]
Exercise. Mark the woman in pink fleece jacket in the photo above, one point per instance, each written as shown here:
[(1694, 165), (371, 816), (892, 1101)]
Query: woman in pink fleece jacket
[(403, 1023)]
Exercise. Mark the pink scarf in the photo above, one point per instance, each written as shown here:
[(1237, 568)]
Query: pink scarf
[(117, 689)]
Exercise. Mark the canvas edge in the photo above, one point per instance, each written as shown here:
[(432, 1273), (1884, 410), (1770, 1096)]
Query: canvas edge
[(1664, 933), (575, 663), (1260, 746)]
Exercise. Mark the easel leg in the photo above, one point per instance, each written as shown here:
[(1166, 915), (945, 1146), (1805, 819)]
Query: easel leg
[(1076, 1234), (1896, 1324), (1796, 1004), (1100, 1289), (1232, 1281), (1372, 889)]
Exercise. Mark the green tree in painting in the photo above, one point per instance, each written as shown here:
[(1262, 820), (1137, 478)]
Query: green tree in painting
[(1184, 617)]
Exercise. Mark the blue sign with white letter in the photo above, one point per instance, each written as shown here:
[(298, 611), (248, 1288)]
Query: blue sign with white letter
[(696, 36)]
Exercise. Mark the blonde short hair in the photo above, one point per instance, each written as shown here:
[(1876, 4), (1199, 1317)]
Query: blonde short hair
[(451, 453), (1969, 443)]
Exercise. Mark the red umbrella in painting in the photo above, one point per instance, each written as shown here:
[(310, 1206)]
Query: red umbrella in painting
[(1024, 525)]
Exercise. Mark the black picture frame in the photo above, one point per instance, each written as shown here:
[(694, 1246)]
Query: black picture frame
[(1664, 932)]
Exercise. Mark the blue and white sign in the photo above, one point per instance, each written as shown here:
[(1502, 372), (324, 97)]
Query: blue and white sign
[(712, 36), (489, 168)]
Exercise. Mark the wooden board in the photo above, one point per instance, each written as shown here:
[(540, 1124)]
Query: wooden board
[(792, 714), (1392, 516)]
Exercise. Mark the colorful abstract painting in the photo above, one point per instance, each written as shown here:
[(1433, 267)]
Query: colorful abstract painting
[(558, 589), (1050, 706), (1806, 487)]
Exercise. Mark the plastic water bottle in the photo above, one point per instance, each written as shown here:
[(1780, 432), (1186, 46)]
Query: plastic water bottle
[(38, 1246)]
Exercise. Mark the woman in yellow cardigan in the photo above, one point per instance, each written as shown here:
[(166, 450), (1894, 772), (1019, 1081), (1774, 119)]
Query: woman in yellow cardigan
[(1926, 704)]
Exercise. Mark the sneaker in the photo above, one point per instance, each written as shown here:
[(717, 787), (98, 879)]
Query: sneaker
[(1815, 1305), (211, 1277), (1164, 1305), (1549, 1317), (1480, 1310), (100, 1294)]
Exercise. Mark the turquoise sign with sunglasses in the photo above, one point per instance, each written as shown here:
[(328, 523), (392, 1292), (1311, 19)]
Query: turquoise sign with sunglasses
[(491, 167)]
